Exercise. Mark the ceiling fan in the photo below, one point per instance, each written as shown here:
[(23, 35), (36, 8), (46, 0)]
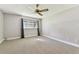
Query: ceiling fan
[(39, 11)]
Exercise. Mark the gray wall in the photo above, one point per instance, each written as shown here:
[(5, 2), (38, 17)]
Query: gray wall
[(63, 25), (1, 27), (12, 27)]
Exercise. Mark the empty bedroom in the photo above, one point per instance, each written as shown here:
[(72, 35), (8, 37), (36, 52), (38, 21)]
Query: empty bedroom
[(39, 28)]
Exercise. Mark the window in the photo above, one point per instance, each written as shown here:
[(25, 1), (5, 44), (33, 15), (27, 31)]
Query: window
[(30, 24)]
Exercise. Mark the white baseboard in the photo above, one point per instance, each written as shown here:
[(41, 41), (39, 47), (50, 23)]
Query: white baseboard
[(66, 42), (1, 41), (12, 38)]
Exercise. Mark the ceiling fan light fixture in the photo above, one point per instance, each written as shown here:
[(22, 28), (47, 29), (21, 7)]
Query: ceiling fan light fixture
[(40, 11)]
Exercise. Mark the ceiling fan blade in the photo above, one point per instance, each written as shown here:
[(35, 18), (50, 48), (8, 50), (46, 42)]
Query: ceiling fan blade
[(37, 5), (44, 10), (40, 14)]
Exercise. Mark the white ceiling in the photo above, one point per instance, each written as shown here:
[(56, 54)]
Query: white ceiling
[(28, 9)]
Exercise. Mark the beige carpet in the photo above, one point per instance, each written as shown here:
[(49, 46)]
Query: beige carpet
[(36, 45)]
